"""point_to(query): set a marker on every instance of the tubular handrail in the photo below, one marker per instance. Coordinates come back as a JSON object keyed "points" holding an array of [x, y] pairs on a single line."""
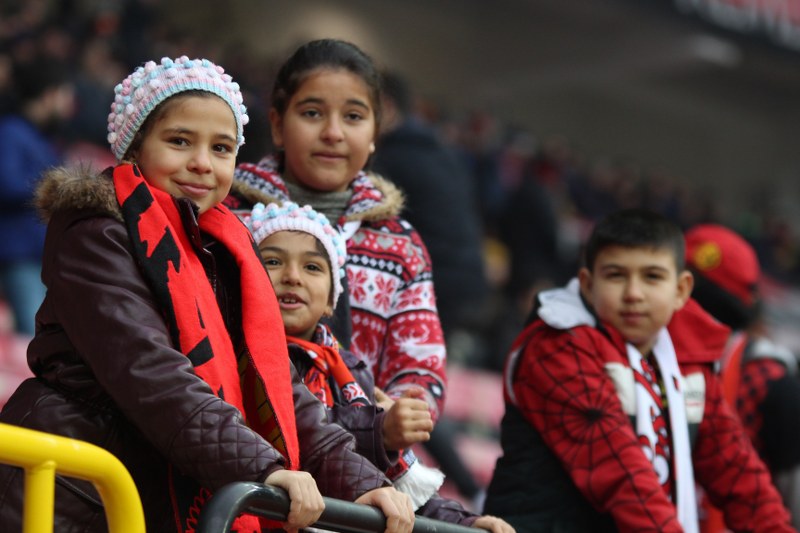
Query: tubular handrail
{"points": [[42, 454], [272, 502]]}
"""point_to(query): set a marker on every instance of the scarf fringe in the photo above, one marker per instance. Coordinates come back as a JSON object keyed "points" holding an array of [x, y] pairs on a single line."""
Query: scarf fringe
{"points": [[420, 483]]}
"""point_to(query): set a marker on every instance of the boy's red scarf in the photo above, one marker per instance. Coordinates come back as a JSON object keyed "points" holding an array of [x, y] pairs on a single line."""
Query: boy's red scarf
{"points": [[327, 361], [176, 275]]}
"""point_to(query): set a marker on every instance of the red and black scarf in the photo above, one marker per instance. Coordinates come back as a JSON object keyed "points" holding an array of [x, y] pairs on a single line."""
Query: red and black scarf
{"points": [[176, 275], [326, 361]]}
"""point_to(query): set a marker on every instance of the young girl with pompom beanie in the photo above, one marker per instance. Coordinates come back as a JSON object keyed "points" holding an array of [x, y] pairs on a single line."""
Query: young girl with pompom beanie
{"points": [[160, 338]]}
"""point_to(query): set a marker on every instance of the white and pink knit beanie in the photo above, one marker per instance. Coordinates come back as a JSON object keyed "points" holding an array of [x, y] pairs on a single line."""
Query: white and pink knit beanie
{"points": [[266, 220], [149, 85]]}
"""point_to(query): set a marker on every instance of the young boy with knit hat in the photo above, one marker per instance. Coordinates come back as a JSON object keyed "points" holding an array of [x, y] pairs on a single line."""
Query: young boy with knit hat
{"points": [[160, 338], [305, 257], [759, 378], [613, 408]]}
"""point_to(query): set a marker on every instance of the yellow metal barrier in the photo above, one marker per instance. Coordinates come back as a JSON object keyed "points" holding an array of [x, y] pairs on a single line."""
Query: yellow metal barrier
{"points": [[42, 454]]}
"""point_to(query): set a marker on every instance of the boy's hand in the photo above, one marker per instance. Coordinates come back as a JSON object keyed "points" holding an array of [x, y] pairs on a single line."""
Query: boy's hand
{"points": [[395, 505], [493, 524], [382, 399], [407, 421], [306, 502]]}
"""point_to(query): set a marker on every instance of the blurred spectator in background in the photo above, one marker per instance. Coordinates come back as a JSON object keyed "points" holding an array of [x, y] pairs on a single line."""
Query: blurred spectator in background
{"points": [[779, 248], [97, 72], [6, 79], [480, 136], [759, 377], [528, 224], [43, 99], [441, 205], [528, 227]]}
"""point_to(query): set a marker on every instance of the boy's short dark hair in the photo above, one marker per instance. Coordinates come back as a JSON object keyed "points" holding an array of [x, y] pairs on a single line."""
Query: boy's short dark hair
{"points": [[635, 228]]}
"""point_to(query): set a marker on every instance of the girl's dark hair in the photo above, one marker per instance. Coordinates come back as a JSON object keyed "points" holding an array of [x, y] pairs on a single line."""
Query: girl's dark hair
{"points": [[635, 228], [326, 54]]}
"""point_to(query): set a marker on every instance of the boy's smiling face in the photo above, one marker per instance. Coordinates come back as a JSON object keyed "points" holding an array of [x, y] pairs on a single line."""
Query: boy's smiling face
{"points": [[636, 290], [301, 277]]}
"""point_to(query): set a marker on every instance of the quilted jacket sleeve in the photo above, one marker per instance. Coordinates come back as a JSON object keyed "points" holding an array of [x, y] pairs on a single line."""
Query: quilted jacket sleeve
{"points": [[100, 300], [327, 450], [365, 423], [728, 468], [447, 510], [562, 389]]}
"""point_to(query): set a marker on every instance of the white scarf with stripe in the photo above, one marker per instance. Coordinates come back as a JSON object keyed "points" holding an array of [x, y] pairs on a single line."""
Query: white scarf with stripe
{"points": [[562, 308]]}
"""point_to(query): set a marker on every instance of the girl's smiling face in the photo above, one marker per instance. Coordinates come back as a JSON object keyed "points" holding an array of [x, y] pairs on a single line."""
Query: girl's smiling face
{"points": [[328, 130], [301, 276], [189, 151]]}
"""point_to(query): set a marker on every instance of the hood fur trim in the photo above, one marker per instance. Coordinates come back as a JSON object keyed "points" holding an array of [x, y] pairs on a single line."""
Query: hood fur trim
{"points": [[62, 188], [253, 195], [393, 203], [390, 206]]}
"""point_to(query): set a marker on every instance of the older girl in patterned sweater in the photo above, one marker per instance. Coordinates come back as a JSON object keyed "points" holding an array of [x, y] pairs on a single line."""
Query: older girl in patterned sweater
{"points": [[325, 111]]}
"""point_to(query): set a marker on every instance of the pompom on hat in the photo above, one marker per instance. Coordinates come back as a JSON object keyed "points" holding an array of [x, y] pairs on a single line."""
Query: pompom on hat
{"points": [[266, 220], [725, 259], [149, 85]]}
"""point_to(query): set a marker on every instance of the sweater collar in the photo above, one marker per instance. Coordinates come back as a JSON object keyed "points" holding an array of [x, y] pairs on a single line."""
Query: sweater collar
{"points": [[372, 197]]}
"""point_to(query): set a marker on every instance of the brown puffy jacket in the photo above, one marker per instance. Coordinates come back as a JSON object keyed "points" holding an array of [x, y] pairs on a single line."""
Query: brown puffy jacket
{"points": [[106, 373]]}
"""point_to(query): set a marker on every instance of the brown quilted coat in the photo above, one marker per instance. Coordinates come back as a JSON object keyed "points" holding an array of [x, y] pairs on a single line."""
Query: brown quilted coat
{"points": [[106, 373]]}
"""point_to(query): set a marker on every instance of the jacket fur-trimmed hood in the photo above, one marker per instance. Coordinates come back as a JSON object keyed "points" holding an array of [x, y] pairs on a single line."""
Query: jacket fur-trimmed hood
{"points": [[65, 188], [374, 197]]}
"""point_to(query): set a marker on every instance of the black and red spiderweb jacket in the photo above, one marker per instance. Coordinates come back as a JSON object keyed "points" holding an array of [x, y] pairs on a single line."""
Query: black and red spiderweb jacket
{"points": [[572, 461]]}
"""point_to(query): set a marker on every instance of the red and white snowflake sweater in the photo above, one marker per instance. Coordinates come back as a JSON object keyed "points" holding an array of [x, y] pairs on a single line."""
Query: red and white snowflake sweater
{"points": [[396, 327], [571, 458]]}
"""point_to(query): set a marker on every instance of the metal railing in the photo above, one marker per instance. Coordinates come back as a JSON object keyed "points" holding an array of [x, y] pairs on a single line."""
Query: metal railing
{"points": [[41, 455], [272, 502]]}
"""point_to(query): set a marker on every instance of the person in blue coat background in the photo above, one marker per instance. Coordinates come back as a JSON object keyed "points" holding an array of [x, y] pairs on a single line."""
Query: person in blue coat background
{"points": [[43, 98]]}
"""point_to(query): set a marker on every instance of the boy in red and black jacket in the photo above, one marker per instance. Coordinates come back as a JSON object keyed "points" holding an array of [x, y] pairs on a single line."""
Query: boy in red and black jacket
{"points": [[613, 408]]}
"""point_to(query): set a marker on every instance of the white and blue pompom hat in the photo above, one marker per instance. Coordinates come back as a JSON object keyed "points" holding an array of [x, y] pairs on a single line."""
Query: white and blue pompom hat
{"points": [[264, 220], [149, 85]]}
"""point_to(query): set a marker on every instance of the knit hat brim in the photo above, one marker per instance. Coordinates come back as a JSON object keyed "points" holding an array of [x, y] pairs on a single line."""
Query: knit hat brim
{"points": [[265, 220], [151, 84]]}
